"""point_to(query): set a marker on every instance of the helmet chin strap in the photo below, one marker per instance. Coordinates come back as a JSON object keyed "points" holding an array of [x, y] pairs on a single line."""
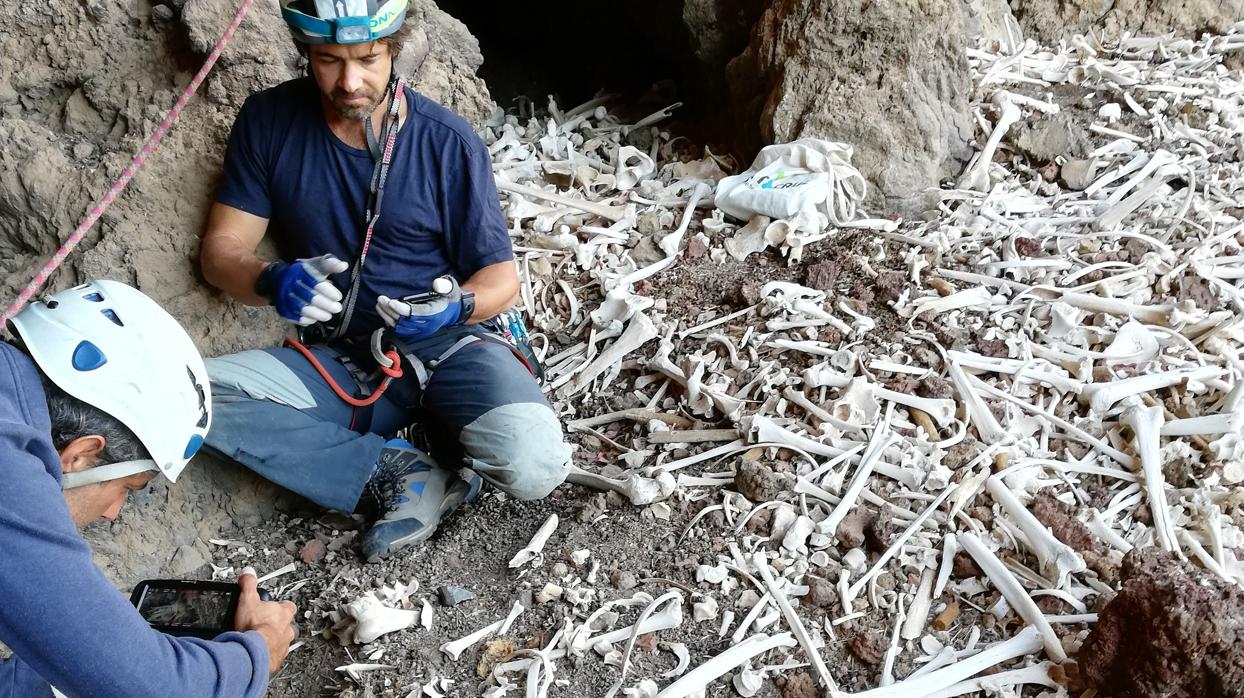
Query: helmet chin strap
{"points": [[106, 473]]}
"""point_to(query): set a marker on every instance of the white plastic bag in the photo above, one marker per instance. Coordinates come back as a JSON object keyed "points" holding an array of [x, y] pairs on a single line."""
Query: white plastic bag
{"points": [[809, 175]]}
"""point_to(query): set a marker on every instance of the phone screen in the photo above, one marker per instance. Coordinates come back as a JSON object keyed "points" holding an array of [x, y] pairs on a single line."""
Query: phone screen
{"points": [[187, 608]]}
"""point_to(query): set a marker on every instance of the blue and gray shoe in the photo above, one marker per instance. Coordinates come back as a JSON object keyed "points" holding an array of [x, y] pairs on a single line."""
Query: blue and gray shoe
{"points": [[414, 493]]}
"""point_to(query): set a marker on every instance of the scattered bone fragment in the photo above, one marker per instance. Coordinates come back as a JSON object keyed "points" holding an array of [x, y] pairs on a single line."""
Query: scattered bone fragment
{"points": [[533, 552]]}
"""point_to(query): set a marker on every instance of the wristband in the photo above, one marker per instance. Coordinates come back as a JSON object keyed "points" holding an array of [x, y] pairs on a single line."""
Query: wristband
{"points": [[266, 284]]}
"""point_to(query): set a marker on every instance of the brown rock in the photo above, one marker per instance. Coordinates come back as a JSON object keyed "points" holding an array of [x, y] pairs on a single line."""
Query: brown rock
{"points": [[1027, 246], [878, 532], [744, 296], [696, 248], [964, 566], [646, 643], [850, 531], [868, 647], [1061, 520], [936, 387], [961, 453], [760, 522], [759, 483], [821, 276], [1173, 631], [890, 285], [494, 653], [801, 685], [821, 591], [313, 551], [994, 347]]}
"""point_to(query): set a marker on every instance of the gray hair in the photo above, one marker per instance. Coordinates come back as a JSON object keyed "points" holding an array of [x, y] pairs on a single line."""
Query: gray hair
{"points": [[73, 419]]}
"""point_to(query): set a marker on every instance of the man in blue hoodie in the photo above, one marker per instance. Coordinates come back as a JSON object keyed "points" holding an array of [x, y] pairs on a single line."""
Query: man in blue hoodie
{"points": [[105, 392]]}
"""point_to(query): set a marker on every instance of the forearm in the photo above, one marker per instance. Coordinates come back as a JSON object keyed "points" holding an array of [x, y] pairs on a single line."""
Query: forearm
{"points": [[495, 288], [233, 268]]}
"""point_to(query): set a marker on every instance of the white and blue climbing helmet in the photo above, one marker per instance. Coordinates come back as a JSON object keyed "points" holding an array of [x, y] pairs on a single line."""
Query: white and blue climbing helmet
{"points": [[342, 21], [117, 350]]}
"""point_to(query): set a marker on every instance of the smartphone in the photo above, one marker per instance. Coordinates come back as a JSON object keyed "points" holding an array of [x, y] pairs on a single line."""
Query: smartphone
{"points": [[187, 608]]}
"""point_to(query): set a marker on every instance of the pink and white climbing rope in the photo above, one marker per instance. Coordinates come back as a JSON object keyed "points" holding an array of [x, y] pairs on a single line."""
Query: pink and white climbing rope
{"points": [[132, 169]]}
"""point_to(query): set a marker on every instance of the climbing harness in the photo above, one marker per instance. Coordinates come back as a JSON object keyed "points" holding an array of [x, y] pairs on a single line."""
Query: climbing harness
{"points": [[118, 186], [391, 368]]}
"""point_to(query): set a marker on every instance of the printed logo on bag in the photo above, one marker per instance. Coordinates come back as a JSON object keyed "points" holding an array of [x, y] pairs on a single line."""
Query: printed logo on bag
{"points": [[782, 180]]}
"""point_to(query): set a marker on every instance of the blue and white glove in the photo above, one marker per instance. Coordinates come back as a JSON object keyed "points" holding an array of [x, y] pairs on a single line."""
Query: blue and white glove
{"points": [[444, 307], [301, 291]]}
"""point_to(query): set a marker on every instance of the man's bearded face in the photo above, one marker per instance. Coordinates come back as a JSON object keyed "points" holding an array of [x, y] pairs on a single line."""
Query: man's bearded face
{"points": [[353, 78]]}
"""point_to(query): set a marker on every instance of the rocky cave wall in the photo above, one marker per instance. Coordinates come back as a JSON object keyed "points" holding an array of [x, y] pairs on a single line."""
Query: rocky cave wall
{"points": [[83, 82]]}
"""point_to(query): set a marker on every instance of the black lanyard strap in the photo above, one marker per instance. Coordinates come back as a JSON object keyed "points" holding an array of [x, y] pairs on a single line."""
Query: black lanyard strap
{"points": [[383, 155]]}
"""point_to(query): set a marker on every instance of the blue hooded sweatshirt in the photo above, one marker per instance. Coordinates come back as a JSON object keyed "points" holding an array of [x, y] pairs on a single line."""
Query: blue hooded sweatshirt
{"points": [[67, 626]]}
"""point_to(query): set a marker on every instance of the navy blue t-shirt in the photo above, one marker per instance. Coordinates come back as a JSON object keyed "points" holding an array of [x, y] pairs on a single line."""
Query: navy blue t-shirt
{"points": [[440, 214]]}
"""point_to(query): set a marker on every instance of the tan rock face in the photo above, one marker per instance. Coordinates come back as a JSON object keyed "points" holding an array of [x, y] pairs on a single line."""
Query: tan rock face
{"points": [[1052, 20], [888, 76]]}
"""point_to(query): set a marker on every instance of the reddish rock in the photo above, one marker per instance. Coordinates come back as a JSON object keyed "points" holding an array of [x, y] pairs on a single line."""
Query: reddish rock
{"points": [[313, 551], [869, 648], [822, 276], [1173, 631]]}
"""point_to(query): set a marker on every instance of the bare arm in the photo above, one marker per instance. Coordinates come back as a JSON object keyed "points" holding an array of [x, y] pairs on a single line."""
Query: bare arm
{"points": [[227, 253], [495, 288]]}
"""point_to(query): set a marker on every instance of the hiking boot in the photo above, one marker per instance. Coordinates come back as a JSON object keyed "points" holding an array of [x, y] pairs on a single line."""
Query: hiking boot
{"points": [[413, 494]]}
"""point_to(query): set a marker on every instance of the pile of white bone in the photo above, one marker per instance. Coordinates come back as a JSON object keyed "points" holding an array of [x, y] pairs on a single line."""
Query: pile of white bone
{"points": [[1074, 269]]}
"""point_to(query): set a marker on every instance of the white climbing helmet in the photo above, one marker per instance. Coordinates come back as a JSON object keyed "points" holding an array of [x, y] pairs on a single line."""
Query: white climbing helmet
{"points": [[117, 350], [342, 21]]}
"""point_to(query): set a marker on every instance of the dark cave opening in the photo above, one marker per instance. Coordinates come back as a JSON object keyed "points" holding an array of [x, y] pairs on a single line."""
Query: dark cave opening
{"points": [[641, 51]]}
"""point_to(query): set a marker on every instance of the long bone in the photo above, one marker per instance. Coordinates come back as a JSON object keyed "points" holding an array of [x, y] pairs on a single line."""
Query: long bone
{"points": [[1025, 642], [760, 429], [670, 597], [1146, 425], [533, 549], [696, 681], [941, 410], [669, 617], [1014, 594], [792, 619], [670, 244], [1112, 217], [881, 439], [640, 491], [1005, 682], [1100, 397], [977, 175], [661, 362], [918, 612], [613, 213], [897, 544], [1056, 557], [986, 424], [455, 648], [639, 331]]}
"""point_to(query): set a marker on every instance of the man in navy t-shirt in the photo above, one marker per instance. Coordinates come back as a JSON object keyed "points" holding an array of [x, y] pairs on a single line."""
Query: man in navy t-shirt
{"points": [[385, 216]]}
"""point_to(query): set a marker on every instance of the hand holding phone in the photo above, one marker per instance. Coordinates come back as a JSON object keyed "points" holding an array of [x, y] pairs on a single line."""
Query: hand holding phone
{"points": [[273, 620]]}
